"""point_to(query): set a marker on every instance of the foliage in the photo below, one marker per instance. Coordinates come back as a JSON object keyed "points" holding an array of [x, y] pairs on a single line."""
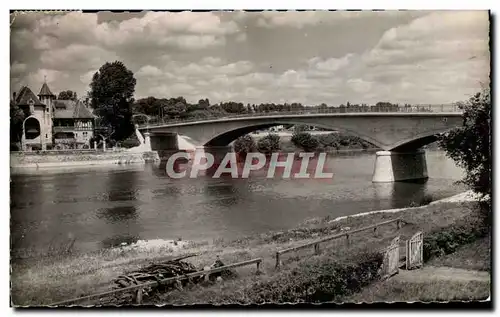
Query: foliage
{"points": [[470, 144], [337, 140], [244, 144], [130, 142], [17, 117], [305, 141], [269, 144], [67, 95], [233, 107], [174, 110], [112, 90], [300, 128], [318, 280], [447, 240]]}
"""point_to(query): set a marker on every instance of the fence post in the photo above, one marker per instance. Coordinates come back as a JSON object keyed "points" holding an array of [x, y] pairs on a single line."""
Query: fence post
{"points": [[278, 262], [375, 231]]}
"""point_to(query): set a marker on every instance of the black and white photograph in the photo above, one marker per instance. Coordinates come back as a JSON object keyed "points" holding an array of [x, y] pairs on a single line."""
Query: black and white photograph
{"points": [[265, 158]]}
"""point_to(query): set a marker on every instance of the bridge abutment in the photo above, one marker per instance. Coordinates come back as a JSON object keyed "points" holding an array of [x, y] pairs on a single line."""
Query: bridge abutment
{"points": [[392, 166], [164, 143]]}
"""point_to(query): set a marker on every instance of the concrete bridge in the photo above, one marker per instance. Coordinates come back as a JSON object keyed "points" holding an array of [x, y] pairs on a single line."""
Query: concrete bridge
{"points": [[399, 134]]}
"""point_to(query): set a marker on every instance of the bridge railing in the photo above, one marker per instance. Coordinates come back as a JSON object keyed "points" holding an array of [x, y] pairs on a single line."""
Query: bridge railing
{"points": [[374, 109]]}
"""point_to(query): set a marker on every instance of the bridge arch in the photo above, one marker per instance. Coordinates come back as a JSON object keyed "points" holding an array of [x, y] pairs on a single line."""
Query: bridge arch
{"points": [[225, 138], [419, 140]]}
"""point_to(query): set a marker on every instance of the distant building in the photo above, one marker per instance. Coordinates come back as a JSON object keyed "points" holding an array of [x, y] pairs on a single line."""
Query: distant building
{"points": [[52, 123]]}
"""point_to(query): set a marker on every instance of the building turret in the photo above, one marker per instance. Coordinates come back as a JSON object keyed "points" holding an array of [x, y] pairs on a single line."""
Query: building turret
{"points": [[47, 98]]}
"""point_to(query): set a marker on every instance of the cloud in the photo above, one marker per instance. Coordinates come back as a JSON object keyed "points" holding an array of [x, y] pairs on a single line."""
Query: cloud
{"points": [[422, 57], [302, 19], [77, 56], [17, 68]]}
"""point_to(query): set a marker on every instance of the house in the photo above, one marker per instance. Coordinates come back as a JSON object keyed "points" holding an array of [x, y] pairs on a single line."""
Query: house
{"points": [[52, 123]]}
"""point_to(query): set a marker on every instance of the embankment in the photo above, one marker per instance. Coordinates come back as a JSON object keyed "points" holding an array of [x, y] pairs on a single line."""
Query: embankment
{"points": [[50, 159], [34, 282]]}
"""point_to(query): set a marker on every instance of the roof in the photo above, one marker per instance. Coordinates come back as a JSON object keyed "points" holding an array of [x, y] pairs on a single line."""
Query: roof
{"points": [[71, 109], [45, 91], [24, 97]]}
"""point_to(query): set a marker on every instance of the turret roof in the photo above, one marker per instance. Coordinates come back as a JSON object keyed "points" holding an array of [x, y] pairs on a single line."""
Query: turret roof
{"points": [[45, 91]]}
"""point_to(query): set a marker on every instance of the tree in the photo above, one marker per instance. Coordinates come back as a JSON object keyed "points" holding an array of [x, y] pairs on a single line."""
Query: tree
{"points": [[67, 95], [305, 141], [149, 106], [300, 128], [112, 91], [17, 117], [244, 145], [470, 145], [174, 110], [269, 144], [203, 104]]}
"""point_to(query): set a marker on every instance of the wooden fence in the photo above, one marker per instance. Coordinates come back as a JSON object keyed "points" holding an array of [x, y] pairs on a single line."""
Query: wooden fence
{"points": [[415, 251], [138, 288], [345, 235], [390, 265]]}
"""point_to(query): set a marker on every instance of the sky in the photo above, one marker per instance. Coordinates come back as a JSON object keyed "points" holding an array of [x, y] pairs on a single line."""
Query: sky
{"points": [[312, 57]]}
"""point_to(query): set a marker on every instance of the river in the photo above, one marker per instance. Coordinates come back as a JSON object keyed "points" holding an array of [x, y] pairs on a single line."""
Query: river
{"points": [[102, 207]]}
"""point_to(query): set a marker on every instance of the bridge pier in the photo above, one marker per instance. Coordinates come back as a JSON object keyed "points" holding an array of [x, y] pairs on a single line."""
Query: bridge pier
{"points": [[392, 166], [165, 143]]}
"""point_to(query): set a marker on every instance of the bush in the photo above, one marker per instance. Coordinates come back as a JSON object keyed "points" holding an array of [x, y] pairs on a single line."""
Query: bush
{"points": [[329, 140], [269, 144], [321, 280], [244, 145], [448, 240], [305, 141]]}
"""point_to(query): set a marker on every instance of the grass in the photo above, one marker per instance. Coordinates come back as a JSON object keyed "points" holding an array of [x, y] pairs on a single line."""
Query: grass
{"points": [[53, 279], [473, 256], [394, 290]]}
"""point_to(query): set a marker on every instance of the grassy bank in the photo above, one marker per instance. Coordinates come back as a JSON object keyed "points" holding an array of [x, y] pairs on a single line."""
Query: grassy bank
{"points": [[473, 256], [58, 278]]}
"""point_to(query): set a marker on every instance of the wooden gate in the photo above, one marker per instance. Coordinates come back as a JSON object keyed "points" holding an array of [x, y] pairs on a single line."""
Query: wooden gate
{"points": [[390, 266], [415, 251]]}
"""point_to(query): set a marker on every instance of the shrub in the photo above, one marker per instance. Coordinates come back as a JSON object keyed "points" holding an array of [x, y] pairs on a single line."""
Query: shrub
{"points": [[305, 141], [330, 140], [244, 145], [447, 240], [269, 144], [320, 280]]}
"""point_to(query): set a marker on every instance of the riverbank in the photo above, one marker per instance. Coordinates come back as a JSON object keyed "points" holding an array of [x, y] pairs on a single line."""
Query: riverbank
{"points": [[45, 280], [53, 159]]}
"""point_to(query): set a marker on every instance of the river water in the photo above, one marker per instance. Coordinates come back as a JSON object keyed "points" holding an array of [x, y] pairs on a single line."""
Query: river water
{"points": [[102, 207]]}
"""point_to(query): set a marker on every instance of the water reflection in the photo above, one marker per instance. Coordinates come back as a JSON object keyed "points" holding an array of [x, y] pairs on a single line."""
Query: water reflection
{"points": [[122, 216], [399, 194], [117, 214]]}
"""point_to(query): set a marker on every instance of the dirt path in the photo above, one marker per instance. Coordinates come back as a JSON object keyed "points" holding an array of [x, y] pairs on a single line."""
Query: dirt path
{"points": [[432, 273]]}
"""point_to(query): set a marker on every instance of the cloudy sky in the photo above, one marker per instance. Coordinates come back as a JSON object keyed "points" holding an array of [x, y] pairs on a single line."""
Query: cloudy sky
{"points": [[253, 57]]}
